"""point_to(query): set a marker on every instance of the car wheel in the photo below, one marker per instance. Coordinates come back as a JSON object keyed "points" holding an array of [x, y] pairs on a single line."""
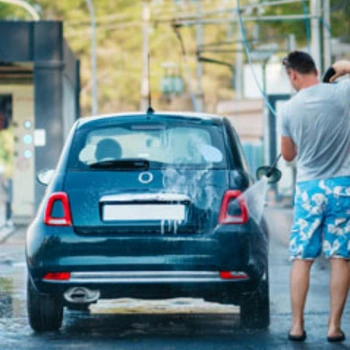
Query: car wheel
{"points": [[255, 308], [45, 313]]}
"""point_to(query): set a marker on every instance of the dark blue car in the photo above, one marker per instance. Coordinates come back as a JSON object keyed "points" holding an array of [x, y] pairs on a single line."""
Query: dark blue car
{"points": [[147, 205]]}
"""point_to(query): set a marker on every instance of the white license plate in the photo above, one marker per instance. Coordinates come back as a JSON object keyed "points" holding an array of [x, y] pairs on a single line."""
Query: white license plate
{"points": [[143, 212]]}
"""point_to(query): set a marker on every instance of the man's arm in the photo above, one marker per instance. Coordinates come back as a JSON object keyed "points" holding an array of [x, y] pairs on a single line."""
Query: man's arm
{"points": [[341, 68], [288, 148]]}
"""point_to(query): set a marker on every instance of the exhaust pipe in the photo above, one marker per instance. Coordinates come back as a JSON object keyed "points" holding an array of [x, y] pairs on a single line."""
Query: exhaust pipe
{"points": [[81, 295]]}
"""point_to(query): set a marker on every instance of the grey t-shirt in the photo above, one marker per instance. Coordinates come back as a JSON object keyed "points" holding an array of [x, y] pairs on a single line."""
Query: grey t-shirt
{"points": [[318, 121]]}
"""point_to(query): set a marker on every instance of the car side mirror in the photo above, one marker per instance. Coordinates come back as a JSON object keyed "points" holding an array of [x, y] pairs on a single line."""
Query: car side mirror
{"points": [[44, 176], [272, 174]]}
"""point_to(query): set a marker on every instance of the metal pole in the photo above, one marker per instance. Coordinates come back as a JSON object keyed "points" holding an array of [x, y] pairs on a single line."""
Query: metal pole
{"points": [[199, 28], [291, 42], [146, 14], [267, 142], [327, 35], [24, 5], [291, 47], [239, 65], [315, 12], [224, 21], [264, 64], [93, 58]]}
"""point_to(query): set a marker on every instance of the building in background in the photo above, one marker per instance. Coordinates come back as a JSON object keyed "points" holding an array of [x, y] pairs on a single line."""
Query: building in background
{"points": [[39, 97]]}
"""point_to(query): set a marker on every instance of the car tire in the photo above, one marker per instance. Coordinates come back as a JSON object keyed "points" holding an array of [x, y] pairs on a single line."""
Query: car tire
{"points": [[45, 313], [255, 308]]}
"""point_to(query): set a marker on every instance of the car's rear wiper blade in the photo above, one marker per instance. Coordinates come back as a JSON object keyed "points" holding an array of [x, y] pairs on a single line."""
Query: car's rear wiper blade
{"points": [[122, 164]]}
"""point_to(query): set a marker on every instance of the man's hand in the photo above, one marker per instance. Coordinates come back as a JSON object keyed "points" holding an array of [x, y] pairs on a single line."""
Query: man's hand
{"points": [[341, 68]]}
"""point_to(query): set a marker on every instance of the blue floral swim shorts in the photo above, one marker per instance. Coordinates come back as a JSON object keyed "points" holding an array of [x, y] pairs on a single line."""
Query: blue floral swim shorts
{"points": [[321, 219]]}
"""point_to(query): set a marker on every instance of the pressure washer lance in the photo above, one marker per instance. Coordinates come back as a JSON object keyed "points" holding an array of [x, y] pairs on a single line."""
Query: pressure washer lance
{"points": [[274, 165]]}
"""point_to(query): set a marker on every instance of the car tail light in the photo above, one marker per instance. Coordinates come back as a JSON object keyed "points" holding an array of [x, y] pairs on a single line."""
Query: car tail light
{"points": [[57, 276], [233, 208], [64, 218], [233, 275]]}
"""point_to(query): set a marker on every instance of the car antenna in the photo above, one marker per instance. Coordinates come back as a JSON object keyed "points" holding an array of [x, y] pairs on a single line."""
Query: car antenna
{"points": [[150, 110]]}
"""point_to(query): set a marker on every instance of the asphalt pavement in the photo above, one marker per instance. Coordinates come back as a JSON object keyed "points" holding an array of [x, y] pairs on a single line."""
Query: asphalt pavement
{"points": [[173, 324]]}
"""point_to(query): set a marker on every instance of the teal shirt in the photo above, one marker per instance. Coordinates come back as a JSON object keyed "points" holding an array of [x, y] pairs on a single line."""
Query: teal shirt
{"points": [[317, 119]]}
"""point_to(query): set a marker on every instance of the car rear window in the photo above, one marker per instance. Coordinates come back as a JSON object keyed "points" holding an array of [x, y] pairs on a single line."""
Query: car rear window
{"points": [[161, 144]]}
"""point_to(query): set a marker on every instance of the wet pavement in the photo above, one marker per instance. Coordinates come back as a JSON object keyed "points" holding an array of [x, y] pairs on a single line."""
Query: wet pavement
{"points": [[6, 227], [175, 324]]}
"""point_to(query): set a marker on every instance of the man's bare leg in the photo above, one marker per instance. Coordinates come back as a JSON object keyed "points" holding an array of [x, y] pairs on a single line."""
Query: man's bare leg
{"points": [[339, 286], [299, 286]]}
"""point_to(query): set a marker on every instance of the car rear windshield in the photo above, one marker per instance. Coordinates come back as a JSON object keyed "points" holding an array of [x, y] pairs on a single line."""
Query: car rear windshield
{"points": [[160, 145]]}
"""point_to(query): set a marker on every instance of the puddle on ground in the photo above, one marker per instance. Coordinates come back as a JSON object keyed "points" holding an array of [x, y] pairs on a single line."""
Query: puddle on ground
{"points": [[6, 301], [12, 293]]}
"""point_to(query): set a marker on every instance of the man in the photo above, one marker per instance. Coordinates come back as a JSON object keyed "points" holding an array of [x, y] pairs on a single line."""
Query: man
{"points": [[315, 128]]}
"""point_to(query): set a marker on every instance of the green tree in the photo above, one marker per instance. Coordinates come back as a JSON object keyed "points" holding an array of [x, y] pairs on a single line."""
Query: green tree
{"points": [[119, 35]]}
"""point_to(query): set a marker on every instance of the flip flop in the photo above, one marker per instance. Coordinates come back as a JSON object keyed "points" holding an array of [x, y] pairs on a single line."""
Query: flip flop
{"points": [[297, 337], [337, 338]]}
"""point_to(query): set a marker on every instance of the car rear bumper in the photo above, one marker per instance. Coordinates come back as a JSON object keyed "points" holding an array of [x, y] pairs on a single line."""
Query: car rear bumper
{"points": [[148, 267], [208, 285], [130, 277]]}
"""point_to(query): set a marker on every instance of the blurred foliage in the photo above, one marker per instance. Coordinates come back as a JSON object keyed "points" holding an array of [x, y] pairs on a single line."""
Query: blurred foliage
{"points": [[340, 23], [6, 150], [341, 19], [119, 34]]}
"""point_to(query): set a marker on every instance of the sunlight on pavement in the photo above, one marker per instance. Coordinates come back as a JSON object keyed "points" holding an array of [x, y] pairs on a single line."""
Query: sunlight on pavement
{"points": [[178, 305]]}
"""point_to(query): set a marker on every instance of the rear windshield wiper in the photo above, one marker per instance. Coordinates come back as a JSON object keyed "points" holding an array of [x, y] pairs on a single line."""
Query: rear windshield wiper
{"points": [[121, 164]]}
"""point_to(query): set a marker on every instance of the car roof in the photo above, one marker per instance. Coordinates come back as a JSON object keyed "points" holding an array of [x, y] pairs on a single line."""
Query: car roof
{"points": [[140, 115]]}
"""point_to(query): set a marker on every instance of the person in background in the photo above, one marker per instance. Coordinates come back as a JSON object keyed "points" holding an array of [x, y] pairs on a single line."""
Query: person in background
{"points": [[6, 189], [8, 206], [315, 129]]}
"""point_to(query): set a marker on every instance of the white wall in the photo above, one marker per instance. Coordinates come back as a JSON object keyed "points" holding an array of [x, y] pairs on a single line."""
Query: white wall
{"points": [[23, 167], [276, 80]]}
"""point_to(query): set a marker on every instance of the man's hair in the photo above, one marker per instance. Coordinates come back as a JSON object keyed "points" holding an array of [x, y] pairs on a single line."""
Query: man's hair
{"points": [[300, 61]]}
